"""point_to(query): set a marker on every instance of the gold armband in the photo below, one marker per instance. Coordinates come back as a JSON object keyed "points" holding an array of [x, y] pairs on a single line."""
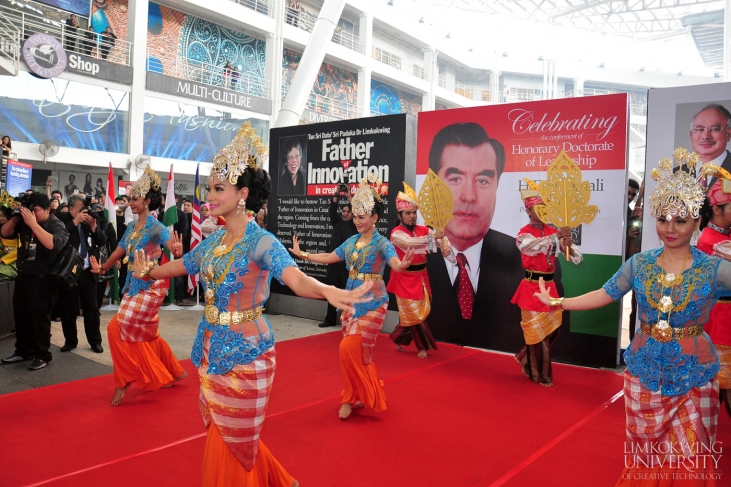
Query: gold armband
{"points": [[556, 303], [305, 255]]}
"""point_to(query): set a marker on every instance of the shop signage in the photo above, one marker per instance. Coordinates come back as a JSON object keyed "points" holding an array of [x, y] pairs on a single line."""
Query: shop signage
{"points": [[44, 55], [213, 94], [97, 68]]}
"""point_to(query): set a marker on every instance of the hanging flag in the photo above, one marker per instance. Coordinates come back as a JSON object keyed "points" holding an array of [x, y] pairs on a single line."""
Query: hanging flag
{"points": [[110, 215], [195, 229], [170, 218]]}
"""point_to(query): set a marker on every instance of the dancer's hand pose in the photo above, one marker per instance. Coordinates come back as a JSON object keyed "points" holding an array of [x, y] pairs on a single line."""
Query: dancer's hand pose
{"points": [[395, 263]]}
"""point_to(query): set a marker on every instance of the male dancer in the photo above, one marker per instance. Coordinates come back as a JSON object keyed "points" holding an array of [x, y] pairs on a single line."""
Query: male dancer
{"points": [[411, 287], [539, 245]]}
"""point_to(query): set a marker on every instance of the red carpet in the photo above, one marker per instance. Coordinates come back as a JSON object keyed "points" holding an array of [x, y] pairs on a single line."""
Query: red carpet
{"points": [[462, 417]]}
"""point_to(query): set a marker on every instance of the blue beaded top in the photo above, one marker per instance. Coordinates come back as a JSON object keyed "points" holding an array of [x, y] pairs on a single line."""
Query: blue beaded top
{"points": [[153, 235], [371, 259], [674, 367], [243, 276]]}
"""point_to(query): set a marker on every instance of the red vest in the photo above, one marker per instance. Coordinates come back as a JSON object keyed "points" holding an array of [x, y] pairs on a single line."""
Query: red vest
{"points": [[409, 284]]}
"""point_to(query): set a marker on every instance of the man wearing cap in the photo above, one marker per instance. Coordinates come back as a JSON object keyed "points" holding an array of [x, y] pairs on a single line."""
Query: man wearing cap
{"points": [[411, 287], [539, 244]]}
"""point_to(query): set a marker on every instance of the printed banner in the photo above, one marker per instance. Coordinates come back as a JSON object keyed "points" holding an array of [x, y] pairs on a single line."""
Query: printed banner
{"points": [[483, 154], [307, 162], [18, 177]]}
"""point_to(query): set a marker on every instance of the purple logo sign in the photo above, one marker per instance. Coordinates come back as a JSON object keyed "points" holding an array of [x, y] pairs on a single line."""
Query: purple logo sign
{"points": [[44, 55]]}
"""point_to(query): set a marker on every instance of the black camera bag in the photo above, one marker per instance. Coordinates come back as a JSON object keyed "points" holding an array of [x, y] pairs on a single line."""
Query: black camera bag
{"points": [[68, 266]]}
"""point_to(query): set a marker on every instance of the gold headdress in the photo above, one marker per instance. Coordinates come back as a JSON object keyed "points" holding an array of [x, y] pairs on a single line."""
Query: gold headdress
{"points": [[531, 195], [366, 195], [679, 193], [406, 200], [242, 152], [149, 180]]}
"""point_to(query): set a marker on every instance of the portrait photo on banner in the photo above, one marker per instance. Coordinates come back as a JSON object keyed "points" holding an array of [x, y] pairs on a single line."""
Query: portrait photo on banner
{"points": [[693, 117], [483, 155], [292, 172]]}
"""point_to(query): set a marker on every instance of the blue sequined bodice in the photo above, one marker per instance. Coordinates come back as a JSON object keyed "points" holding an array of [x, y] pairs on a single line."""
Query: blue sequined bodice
{"points": [[371, 259], [152, 234], [676, 366], [242, 277]]}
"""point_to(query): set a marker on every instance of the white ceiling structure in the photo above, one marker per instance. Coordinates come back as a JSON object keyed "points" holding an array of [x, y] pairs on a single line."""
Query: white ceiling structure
{"points": [[641, 20]]}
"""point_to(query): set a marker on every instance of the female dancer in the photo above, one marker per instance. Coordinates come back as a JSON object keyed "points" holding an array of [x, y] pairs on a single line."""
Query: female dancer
{"points": [[138, 352], [717, 214], [365, 255], [670, 389], [234, 347]]}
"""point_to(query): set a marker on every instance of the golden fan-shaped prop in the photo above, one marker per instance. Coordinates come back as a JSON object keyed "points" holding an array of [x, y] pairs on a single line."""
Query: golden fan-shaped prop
{"points": [[435, 201], [7, 200], [566, 195]]}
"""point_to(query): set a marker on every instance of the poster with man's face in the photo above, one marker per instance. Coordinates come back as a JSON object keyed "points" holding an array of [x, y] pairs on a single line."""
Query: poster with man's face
{"points": [[483, 155], [693, 117]]}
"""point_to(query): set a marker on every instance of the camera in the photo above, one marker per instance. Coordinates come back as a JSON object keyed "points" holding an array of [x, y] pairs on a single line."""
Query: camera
{"points": [[87, 208], [24, 200], [343, 188]]}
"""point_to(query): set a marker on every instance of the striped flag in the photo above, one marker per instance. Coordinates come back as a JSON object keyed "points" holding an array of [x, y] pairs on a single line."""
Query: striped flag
{"points": [[195, 229], [170, 218], [110, 214]]}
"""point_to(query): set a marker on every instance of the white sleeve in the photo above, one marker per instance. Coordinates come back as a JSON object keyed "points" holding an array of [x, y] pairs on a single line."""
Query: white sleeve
{"points": [[531, 246]]}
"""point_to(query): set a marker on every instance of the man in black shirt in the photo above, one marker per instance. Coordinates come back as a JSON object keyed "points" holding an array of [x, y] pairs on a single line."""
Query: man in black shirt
{"points": [[71, 25], [78, 223], [121, 228], [343, 229], [42, 236]]}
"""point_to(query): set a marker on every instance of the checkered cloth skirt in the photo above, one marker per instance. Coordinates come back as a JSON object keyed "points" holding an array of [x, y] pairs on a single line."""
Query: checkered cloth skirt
{"points": [[137, 315], [368, 326], [685, 422], [236, 403]]}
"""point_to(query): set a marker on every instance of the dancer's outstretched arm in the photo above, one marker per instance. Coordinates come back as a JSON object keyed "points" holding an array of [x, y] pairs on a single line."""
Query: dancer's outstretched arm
{"points": [[594, 299], [399, 265], [330, 258], [144, 268], [308, 287]]}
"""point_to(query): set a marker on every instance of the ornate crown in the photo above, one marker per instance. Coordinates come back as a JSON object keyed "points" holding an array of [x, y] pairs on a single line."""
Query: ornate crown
{"points": [[366, 195], [149, 180], [242, 152], [679, 193]]}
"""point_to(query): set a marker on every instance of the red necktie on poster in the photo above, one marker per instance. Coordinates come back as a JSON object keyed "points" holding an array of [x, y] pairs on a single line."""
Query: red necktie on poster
{"points": [[465, 293]]}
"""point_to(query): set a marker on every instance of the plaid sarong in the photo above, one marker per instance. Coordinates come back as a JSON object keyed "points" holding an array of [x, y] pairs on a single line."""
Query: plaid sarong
{"points": [[685, 422], [368, 326], [413, 311], [137, 315], [537, 325], [236, 403]]}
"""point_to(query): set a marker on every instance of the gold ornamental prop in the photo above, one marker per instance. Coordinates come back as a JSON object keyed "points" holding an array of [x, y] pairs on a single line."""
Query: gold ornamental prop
{"points": [[7, 200], [566, 196], [435, 202]]}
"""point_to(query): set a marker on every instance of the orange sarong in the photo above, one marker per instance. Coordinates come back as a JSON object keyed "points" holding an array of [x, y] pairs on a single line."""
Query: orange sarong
{"points": [[151, 364], [221, 468], [360, 382]]}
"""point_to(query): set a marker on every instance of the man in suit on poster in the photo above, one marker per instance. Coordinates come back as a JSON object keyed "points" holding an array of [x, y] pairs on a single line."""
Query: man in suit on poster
{"points": [[710, 132], [481, 314]]}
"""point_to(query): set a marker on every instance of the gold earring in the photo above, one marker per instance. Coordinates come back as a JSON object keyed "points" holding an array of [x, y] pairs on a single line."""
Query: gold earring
{"points": [[241, 207]]}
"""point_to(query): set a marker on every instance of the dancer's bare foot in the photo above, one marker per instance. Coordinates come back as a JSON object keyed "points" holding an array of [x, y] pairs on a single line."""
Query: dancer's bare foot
{"points": [[421, 354], [399, 348], [345, 410], [360, 404], [118, 395], [546, 384], [178, 378], [296, 484]]}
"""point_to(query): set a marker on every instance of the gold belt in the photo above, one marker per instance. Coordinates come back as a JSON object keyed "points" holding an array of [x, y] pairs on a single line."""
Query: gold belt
{"points": [[663, 333], [353, 274], [216, 317]]}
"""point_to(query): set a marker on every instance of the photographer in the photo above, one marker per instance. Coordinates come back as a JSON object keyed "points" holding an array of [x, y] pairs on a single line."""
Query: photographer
{"points": [[85, 235], [343, 229], [42, 236]]}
